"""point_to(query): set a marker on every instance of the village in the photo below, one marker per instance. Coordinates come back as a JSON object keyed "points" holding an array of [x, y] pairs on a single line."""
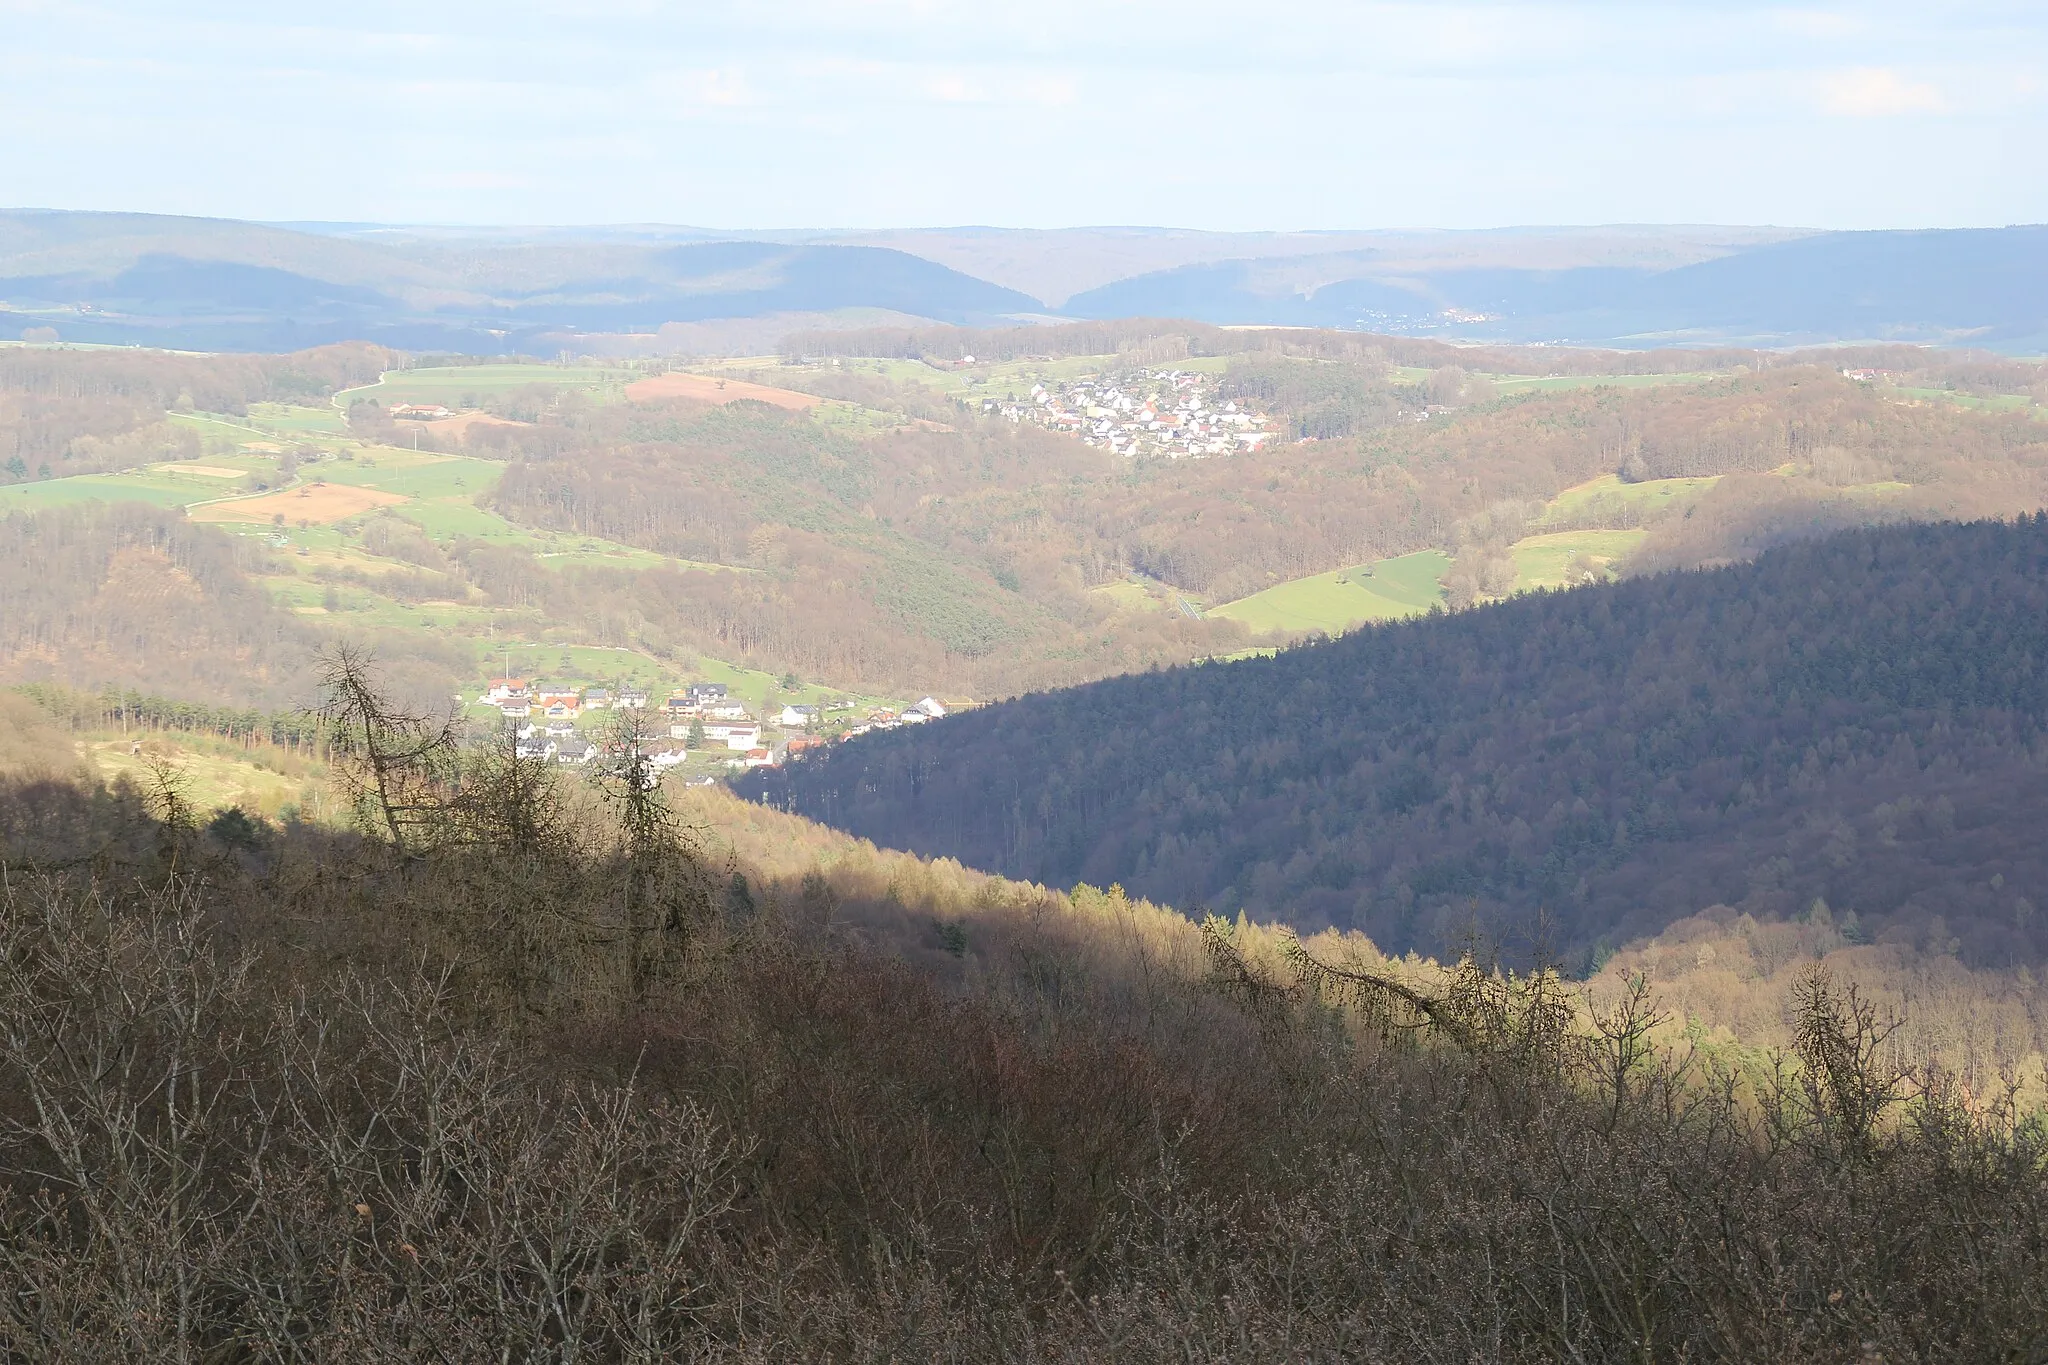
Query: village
{"points": [[1155, 414], [552, 724]]}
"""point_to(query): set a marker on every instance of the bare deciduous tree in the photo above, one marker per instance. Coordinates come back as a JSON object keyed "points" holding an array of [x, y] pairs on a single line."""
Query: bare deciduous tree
{"points": [[395, 767]]}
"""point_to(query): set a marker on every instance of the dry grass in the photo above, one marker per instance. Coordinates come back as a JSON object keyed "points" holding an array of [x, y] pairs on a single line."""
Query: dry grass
{"points": [[317, 503], [461, 424], [703, 389]]}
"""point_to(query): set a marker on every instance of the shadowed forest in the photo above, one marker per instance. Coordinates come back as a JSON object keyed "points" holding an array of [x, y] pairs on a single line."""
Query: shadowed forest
{"points": [[1856, 719]]}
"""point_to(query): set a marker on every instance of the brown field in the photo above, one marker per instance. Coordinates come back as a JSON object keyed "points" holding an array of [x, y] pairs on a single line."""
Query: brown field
{"points": [[320, 503], [707, 390], [460, 423]]}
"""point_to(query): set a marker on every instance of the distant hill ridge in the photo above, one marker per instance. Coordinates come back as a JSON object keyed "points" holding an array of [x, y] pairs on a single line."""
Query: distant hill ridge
{"points": [[1855, 719], [1985, 286], [220, 284]]}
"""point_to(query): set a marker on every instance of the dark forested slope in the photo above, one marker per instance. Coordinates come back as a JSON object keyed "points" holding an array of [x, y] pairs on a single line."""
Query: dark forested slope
{"points": [[1857, 719]]}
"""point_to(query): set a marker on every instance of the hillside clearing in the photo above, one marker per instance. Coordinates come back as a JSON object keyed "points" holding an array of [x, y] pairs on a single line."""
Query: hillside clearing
{"points": [[1331, 602], [1545, 561], [1648, 496]]}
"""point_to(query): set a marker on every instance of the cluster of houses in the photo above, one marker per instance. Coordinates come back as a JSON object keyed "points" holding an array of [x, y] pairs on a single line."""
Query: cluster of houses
{"points": [[1166, 414], [702, 714]]}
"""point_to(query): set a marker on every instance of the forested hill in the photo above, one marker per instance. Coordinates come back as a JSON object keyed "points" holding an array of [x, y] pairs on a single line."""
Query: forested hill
{"points": [[1856, 719]]}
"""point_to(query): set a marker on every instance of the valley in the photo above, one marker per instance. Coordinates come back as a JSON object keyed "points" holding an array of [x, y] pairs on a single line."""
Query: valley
{"points": [[585, 777]]}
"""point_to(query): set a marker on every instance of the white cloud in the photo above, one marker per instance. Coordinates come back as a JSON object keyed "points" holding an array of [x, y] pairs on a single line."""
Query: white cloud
{"points": [[953, 88], [1876, 92], [1823, 24]]}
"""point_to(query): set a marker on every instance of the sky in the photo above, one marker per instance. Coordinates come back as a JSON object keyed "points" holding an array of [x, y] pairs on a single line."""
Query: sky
{"points": [[1217, 114]]}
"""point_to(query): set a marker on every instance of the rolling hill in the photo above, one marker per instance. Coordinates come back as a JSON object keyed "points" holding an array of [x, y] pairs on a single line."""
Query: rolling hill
{"points": [[213, 284], [1987, 286], [207, 284]]}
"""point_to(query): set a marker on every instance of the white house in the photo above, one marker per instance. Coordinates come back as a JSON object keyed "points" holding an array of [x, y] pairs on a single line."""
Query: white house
{"points": [[797, 716], [733, 734], [932, 708]]}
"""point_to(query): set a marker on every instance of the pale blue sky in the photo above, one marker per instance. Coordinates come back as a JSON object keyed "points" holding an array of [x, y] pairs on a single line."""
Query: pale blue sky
{"points": [[881, 113]]}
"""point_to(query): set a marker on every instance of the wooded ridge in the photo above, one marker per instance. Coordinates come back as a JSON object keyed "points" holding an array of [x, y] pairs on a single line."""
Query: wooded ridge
{"points": [[1857, 718]]}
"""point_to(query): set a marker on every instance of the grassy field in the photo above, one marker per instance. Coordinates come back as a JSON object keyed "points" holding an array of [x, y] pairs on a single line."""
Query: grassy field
{"points": [[213, 775], [297, 421], [156, 487], [1383, 591], [1129, 596], [470, 386], [1651, 495], [1544, 561], [415, 474]]}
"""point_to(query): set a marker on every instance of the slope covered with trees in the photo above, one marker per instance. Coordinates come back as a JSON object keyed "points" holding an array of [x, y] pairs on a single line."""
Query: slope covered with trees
{"points": [[511, 1072], [129, 596], [1857, 719], [68, 412]]}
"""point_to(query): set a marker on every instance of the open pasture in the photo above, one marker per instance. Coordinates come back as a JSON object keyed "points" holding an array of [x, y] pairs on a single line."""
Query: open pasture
{"points": [[213, 778], [1651, 495], [416, 475], [469, 386], [157, 488], [1383, 591], [1545, 561], [204, 471], [290, 419]]}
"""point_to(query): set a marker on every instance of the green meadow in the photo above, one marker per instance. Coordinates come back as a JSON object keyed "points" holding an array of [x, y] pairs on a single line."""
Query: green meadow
{"points": [[1651, 495], [157, 489], [1332, 602], [469, 386], [1544, 561]]}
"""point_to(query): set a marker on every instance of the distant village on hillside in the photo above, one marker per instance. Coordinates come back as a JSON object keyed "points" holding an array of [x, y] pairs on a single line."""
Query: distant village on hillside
{"points": [[549, 723], [1162, 414]]}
